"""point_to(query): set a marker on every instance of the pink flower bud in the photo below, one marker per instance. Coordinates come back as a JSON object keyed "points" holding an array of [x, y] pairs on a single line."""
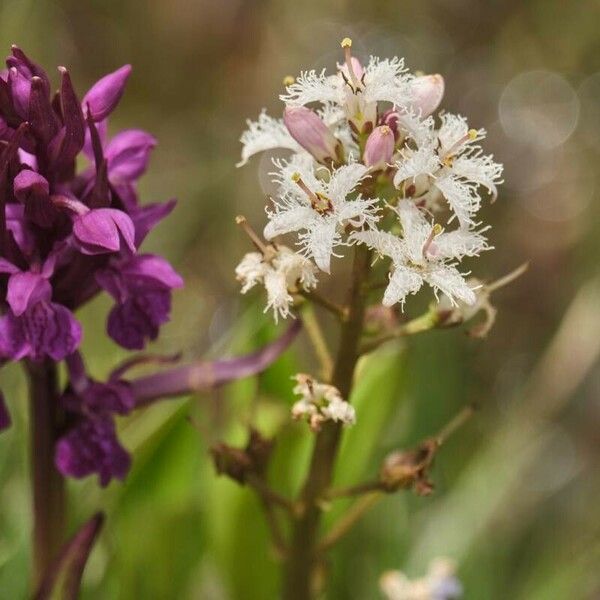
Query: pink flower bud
{"points": [[428, 92], [379, 147], [311, 133]]}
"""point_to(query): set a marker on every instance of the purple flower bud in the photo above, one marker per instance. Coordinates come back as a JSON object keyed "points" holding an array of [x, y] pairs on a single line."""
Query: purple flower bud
{"points": [[20, 87], [91, 446], [308, 129], [104, 95], [379, 147], [25, 290], [428, 91], [4, 415], [32, 190], [104, 230]]}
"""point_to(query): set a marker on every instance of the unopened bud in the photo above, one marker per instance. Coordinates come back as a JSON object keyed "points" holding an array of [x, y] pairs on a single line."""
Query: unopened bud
{"points": [[311, 133], [409, 469], [428, 92], [379, 147]]}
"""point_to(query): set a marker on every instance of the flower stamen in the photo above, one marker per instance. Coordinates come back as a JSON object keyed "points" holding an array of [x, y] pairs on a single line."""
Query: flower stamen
{"points": [[347, 45], [429, 245], [318, 201], [448, 157]]}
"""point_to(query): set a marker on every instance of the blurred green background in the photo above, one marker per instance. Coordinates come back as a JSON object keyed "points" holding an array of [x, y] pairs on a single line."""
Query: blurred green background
{"points": [[516, 500]]}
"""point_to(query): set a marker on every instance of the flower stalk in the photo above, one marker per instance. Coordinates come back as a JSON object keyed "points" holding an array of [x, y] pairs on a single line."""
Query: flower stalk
{"points": [[48, 485], [299, 581]]}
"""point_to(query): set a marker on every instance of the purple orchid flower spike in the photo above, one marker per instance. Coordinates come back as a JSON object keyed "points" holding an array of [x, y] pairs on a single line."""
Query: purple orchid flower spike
{"points": [[4, 414], [65, 237], [104, 95]]}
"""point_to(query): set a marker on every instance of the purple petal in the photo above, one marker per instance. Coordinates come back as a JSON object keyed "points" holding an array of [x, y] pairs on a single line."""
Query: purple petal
{"points": [[4, 415], [137, 320], [50, 330], [25, 290], [92, 447], [26, 180], [43, 119], [13, 343], [32, 189], [113, 397], [102, 129], [149, 271], [128, 154], [20, 87], [7, 267], [63, 578], [70, 139], [105, 94], [147, 217], [23, 63], [103, 230], [18, 227]]}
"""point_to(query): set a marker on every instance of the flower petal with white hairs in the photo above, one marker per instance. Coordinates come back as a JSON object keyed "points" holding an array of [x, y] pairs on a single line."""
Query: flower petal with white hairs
{"points": [[318, 209], [281, 270], [424, 253], [311, 86], [387, 80], [266, 133]]}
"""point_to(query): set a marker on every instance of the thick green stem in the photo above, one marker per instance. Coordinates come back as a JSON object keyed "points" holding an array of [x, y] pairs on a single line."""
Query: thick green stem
{"points": [[48, 488], [300, 577]]}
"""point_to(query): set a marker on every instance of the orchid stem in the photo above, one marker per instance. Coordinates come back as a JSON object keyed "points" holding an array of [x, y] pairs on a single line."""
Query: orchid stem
{"points": [[49, 500]]}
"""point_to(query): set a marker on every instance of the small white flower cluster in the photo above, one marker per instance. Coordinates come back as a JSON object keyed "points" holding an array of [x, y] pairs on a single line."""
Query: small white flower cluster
{"points": [[440, 583], [320, 402], [373, 130], [280, 270]]}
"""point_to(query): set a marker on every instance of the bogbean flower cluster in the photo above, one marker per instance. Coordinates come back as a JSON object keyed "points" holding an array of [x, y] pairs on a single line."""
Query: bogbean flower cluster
{"points": [[320, 402], [68, 233], [370, 164], [440, 583]]}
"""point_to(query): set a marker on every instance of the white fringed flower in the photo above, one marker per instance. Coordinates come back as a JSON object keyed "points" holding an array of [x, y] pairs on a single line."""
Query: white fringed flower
{"points": [[440, 583], [320, 402], [280, 271], [319, 210], [449, 162], [266, 133], [356, 90], [424, 253]]}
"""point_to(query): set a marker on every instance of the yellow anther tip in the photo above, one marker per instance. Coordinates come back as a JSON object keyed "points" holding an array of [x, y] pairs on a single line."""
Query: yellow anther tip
{"points": [[472, 134], [437, 229], [385, 130], [296, 177], [346, 43], [288, 80]]}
